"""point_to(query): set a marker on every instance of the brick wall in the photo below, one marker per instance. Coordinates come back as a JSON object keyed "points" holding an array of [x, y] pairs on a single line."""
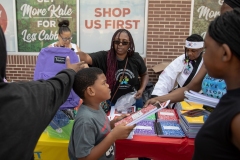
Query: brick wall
{"points": [[168, 27], [20, 67]]}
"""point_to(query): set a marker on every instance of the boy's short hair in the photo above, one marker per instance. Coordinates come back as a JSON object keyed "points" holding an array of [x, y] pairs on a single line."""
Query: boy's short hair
{"points": [[85, 78]]}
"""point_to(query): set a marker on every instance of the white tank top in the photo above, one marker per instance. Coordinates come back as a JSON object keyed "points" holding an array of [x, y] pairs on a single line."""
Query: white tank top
{"points": [[74, 46]]}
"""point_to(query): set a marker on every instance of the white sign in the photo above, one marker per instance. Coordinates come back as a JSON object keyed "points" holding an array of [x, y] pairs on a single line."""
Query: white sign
{"points": [[7, 20], [99, 19]]}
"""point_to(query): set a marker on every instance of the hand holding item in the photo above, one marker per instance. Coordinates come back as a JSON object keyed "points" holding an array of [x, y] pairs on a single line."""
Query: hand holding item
{"points": [[122, 131], [75, 66], [138, 94], [117, 118], [121, 117], [151, 101]]}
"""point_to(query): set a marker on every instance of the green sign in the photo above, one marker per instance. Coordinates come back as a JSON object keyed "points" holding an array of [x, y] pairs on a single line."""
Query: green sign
{"points": [[37, 22], [204, 11]]}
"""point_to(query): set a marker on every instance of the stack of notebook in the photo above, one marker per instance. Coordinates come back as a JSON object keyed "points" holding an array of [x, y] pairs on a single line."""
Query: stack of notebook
{"points": [[151, 117], [169, 129], [196, 97], [191, 117], [167, 124], [146, 128], [186, 106], [141, 115], [166, 115], [191, 125]]}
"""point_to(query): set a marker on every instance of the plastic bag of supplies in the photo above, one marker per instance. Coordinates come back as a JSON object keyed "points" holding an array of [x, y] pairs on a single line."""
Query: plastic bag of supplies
{"points": [[125, 101]]}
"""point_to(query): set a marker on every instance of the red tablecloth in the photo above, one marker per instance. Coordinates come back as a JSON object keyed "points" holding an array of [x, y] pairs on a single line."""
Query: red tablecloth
{"points": [[155, 147]]}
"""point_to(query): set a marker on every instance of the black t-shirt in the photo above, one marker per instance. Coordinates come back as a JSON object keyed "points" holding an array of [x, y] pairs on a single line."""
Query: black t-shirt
{"points": [[26, 110], [135, 68], [213, 141]]}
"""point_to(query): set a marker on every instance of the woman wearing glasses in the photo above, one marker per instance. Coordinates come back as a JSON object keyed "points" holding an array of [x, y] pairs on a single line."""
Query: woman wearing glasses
{"points": [[122, 67], [65, 37]]}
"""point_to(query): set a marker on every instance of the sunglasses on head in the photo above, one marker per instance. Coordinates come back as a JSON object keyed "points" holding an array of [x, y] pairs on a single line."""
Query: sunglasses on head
{"points": [[118, 42], [66, 39]]}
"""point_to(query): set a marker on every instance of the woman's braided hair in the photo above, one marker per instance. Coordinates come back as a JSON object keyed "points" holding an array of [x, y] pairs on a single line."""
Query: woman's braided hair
{"points": [[112, 59]]}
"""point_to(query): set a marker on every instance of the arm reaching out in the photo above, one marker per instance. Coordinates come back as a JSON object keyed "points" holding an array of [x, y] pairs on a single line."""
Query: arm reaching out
{"points": [[76, 66], [178, 94], [85, 57]]}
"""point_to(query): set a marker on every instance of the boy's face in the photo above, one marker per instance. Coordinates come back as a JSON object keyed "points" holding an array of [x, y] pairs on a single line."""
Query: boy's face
{"points": [[101, 88]]}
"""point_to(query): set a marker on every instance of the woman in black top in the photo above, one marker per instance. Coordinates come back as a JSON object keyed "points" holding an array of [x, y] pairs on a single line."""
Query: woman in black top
{"points": [[219, 138], [112, 62]]}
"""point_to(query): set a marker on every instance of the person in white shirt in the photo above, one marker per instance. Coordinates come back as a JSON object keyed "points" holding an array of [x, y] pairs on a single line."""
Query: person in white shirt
{"points": [[65, 37], [180, 71]]}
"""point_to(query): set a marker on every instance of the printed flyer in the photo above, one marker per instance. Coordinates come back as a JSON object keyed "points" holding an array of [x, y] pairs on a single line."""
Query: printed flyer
{"points": [[37, 22], [100, 19], [204, 11]]}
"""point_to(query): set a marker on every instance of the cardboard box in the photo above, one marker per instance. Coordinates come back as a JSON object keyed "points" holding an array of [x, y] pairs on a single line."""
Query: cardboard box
{"points": [[160, 67]]}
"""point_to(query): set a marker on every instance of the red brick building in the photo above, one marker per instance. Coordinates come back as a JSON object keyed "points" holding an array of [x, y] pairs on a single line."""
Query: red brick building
{"points": [[168, 27]]}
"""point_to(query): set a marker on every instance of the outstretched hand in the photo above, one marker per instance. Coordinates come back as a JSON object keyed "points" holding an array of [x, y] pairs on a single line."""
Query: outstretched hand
{"points": [[151, 101], [75, 66]]}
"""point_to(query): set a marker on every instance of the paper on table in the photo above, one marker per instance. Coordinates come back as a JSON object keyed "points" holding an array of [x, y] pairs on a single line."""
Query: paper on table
{"points": [[196, 97]]}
